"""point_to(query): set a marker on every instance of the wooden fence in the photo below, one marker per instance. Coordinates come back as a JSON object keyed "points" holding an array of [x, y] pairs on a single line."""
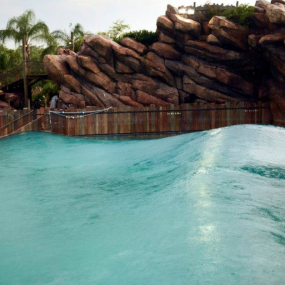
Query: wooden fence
{"points": [[133, 121], [13, 121], [161, 120]]}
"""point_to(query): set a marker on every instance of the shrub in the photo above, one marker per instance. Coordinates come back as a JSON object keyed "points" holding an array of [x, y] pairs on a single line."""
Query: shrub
{"points": [[145, 37], [49, 89], [241, 15]]}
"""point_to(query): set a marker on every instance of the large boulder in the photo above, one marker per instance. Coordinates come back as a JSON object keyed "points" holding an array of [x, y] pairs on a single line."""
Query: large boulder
{"points": [[134, 45], [276, 15], [186, 25], [165, 51], [229, 33]]}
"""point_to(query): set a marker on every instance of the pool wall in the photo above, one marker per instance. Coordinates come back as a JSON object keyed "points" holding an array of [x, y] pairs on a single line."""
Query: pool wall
{"points": [[133, 121]]}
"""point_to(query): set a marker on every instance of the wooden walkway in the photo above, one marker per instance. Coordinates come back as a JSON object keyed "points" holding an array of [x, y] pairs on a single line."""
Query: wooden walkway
{"points": [[13, 80]]}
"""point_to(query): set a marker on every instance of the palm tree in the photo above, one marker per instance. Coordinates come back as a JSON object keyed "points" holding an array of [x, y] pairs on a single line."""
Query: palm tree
{"points": [[25, 29], [73, 39]]}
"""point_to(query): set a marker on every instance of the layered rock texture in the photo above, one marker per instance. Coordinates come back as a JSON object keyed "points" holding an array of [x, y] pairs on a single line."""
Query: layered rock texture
{"points": [[9, 100], [194, 60]]}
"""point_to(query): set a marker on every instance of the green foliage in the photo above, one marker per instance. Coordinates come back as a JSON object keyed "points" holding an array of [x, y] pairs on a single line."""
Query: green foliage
{"points": [[9, 58], [51, 48], [115, 32], [25, 25], [64, 37], [145, 37], [49, 89], [36, 52], [241, 15], [213, 11]]}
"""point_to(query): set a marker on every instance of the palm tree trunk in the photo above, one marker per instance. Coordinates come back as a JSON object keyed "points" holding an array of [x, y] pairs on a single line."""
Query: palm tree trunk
{"points": [[25, 71]]}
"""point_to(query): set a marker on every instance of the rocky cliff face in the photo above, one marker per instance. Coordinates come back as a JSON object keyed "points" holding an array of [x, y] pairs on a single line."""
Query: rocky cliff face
{"points": [[194, 60]]}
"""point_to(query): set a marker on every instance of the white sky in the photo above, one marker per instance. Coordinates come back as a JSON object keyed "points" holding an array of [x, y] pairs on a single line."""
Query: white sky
{"points": [[95, 15]]}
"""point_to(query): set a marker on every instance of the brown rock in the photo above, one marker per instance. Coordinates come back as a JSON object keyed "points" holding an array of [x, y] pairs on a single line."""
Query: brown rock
{"points": [[134, 45], [185, 97], [206, 29], [165, 51], [178, 81], [206, 94], [167, 94], [165, 24], [102, 45], [71, 83], [165, 38], [261, 20], [272, 39], [128, 101], [179, 69], [56, 67], [89, 70], [213, 40], [147, 99], [107, 99], [186, 25], [88, 64], [125, 89], [229, 33], [262, 3], [219, 74], [259, 10], [156, 68], [122, 68], [278, 1], [68, 97], [128, 57], [62, 51], [281, 6], [275, 14], [144, 83], [212, 53], [253, 40], [172, 10], [92, 97], [277, 63]]}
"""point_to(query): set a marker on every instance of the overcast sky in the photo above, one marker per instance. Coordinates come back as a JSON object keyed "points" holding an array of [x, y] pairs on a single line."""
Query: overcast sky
{"points": [[95, 15]]}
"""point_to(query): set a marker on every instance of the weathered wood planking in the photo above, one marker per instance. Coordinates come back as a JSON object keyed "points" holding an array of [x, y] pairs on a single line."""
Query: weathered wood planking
{"points": [[127, 120]]}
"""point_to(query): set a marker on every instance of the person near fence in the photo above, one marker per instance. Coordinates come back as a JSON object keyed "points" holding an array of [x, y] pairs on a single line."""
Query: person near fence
{"points": [[53, 103]]}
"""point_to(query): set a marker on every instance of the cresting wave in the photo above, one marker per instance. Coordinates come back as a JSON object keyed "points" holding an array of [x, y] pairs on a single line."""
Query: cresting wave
{"points": [[201, 208]]}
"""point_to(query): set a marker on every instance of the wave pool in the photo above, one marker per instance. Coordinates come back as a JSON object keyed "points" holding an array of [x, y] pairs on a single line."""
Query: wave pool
{"points": [[201, 208]]}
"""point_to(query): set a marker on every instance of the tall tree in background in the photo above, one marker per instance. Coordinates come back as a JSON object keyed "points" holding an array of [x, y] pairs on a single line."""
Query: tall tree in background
{"points": [[72, 39], [25, 29], [116, 30]]}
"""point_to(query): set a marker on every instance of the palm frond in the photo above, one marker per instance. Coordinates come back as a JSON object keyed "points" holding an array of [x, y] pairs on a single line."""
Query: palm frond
{"points": [[78, 30], [61, 35], [10, 34], [39, 31]]}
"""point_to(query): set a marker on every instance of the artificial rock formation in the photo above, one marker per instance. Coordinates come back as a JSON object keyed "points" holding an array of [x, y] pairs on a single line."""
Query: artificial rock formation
{"points": [[9, 100], [194, 60]]}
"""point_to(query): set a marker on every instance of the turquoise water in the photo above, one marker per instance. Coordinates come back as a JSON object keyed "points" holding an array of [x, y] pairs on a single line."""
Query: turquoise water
{"points": [[202, 208]]}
